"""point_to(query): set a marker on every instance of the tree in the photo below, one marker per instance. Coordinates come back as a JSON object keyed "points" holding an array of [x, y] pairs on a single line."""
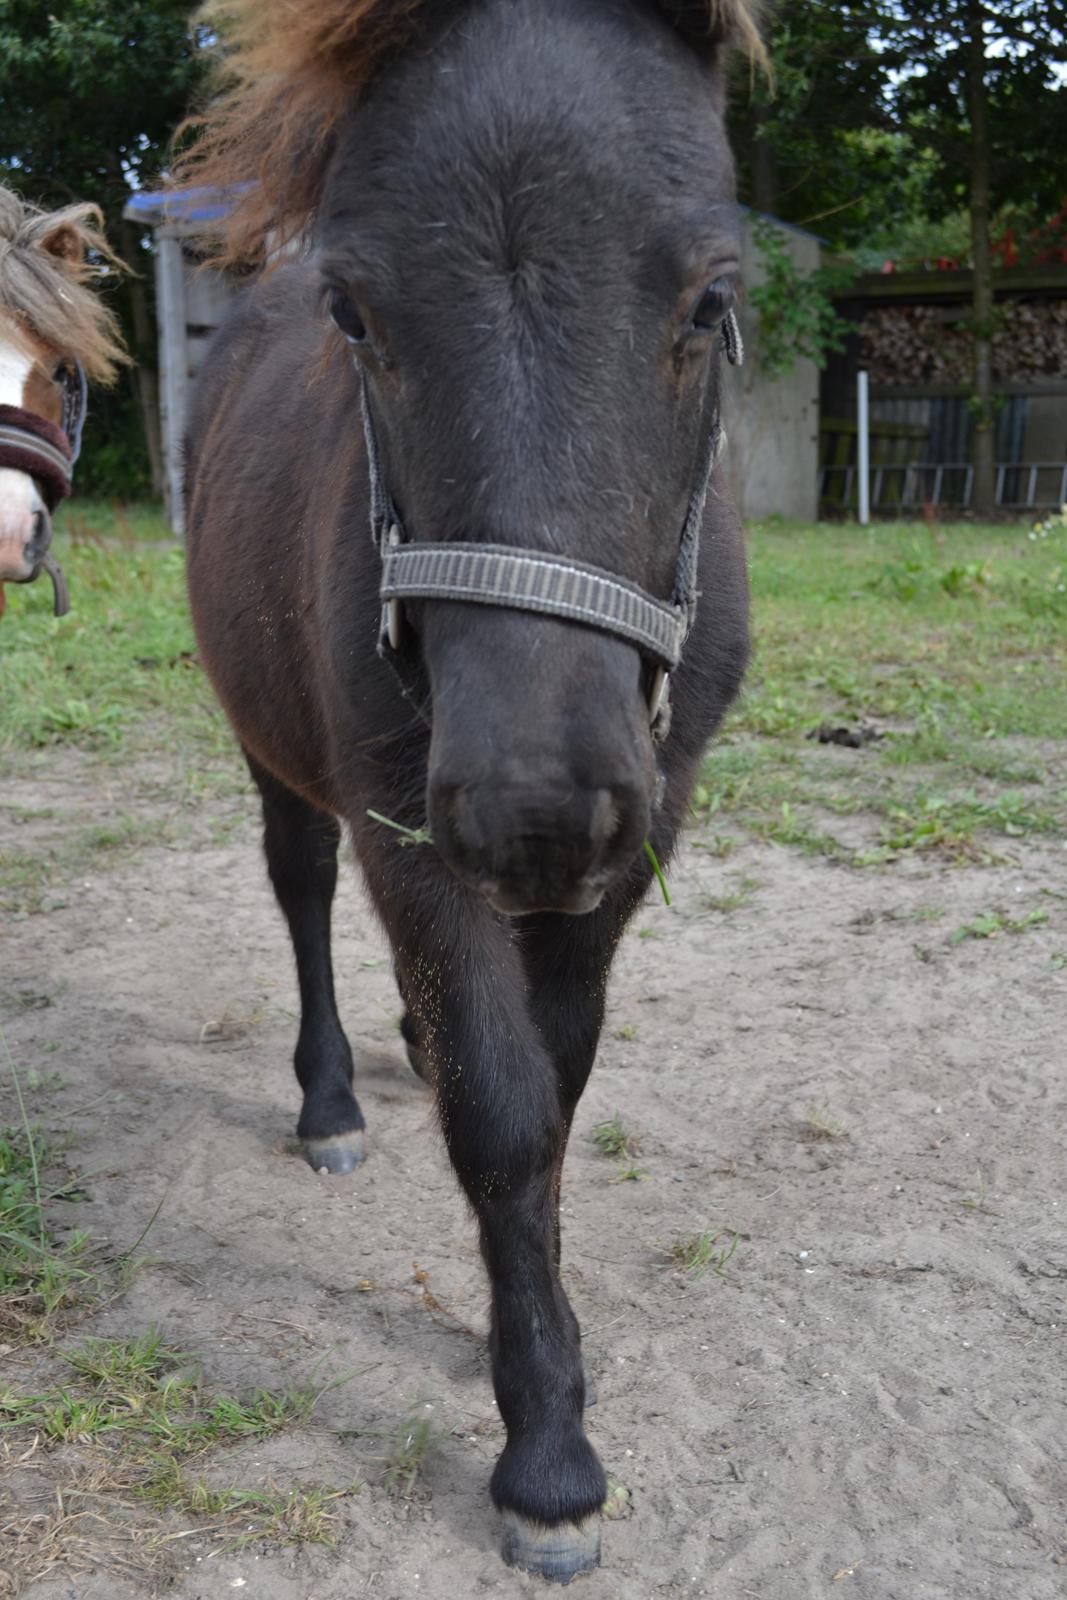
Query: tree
{"points": [[815, 139], [979, 87], [90, 93]]}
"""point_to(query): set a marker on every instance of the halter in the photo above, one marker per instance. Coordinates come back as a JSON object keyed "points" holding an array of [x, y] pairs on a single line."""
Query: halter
{"points": [[32, 444], [528, 580]]}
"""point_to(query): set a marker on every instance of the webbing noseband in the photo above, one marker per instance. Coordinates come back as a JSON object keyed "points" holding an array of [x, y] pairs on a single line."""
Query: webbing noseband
{"points": [[47, 452], [535, 580]]}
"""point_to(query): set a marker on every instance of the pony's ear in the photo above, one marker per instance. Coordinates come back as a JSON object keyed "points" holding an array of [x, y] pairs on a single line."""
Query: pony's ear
{"points": [[66, 244], [709, 24]]}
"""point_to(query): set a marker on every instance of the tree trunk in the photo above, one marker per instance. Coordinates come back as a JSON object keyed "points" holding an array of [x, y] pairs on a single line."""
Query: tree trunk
{"points": [[983, 499], [146, 378], [764, 168]]}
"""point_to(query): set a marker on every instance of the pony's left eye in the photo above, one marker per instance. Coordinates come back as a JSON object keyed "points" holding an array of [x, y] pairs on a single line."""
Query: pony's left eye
{"points": [[714, 304], [345, 317]]}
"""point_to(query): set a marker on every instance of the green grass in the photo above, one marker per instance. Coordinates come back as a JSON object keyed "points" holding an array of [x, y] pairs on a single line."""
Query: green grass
{"points": [[136, 1422], [990, 924], [151, 1396], [696, 1254], [122, 663], [613, 1140], [954, 641], [41, 1275]]}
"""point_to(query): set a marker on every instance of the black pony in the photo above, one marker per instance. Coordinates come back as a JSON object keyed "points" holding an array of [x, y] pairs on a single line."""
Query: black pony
{"points": [[501, 329]]}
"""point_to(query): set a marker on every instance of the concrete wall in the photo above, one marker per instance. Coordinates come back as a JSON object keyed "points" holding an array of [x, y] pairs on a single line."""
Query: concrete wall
{"points": [[772, 423]]}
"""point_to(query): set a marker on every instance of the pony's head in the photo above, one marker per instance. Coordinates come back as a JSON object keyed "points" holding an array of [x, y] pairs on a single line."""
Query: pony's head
{"points": [[50, 322], [522, 218]]}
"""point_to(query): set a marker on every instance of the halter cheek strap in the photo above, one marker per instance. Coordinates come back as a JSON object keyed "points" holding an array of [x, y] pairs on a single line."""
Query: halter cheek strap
{"points": [[47, 451], [533, 580]]}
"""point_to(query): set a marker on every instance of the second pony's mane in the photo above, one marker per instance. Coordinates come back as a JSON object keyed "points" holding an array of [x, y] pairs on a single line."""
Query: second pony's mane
{"points": [[290, 69], [44, 281]]}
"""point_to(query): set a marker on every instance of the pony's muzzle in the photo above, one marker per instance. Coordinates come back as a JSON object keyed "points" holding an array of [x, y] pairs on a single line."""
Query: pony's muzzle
{"points": [[537, 847], [25, 533]]}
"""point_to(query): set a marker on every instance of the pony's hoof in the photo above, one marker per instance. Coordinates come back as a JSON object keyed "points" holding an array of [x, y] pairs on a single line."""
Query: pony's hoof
{"points": [[558, 1554], [341, 1152]]}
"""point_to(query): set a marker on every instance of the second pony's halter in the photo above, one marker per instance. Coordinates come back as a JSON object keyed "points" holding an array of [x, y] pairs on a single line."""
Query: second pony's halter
{"points": [[47, 451], [534, 580]]}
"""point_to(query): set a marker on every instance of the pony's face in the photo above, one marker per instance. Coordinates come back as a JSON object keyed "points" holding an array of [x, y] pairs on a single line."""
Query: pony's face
{"points": [[529, 240], [28, 382]]}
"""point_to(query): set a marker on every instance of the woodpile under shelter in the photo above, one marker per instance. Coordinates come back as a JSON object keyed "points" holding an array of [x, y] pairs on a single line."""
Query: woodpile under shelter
{"points": [[910, 332]]}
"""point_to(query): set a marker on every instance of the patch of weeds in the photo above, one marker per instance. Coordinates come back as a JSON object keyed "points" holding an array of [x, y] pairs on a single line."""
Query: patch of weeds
{"points": [[698, 1253], [615, 1141], [304, 1514], [629, 1173], [618, 1502], [978, 1202], [628, 1031], [1057, 961], [412, 1443], [990, 924], [141, 1389], [649, 933], [788, 829], [139, 1415], [620, 1145], [719, 845], [40, 1275], [821, 1123], [733, 899], [970, 577]]}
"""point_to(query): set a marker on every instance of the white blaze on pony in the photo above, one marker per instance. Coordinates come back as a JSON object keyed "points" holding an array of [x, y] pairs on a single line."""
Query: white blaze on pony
{"points": [[54, 333], [23, 513]]}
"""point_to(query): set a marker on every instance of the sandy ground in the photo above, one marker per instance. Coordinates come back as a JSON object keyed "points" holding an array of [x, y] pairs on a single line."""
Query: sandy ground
{"points": [[872, 1403]]}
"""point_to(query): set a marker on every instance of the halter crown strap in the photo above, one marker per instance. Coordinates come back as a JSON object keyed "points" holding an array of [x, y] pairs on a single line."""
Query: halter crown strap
{"points": [[532, 580]]}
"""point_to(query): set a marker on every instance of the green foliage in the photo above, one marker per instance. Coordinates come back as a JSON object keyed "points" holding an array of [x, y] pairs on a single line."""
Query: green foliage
{"points": [[989, 924], [863, 131], [90, 93], [797, 319]]}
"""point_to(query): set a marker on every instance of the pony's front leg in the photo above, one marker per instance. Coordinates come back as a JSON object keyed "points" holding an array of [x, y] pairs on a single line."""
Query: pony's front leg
{"points": [[505, 1129]]}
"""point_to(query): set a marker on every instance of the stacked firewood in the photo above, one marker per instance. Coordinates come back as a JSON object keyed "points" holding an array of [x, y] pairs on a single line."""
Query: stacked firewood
{"points": [[906, 345]]}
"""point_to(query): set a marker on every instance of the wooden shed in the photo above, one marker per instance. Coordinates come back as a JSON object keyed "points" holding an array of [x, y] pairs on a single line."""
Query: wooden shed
{"points": [[911, 333], [191, 301]]}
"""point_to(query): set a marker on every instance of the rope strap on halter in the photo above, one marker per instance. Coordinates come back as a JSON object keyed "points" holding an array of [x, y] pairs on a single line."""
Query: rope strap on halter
{"points": [[533, 580]]}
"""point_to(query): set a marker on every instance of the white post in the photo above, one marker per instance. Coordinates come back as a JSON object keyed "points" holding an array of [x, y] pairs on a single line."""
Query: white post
{"points": [[863, 442], [174, 365]]}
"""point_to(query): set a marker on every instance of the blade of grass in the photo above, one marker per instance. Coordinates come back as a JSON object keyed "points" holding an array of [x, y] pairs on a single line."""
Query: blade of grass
{"points": [[658, 870]]}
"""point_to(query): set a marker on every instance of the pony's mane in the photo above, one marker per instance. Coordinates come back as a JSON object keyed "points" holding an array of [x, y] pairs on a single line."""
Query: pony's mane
{"points": [[288, 70], [46, 286]]}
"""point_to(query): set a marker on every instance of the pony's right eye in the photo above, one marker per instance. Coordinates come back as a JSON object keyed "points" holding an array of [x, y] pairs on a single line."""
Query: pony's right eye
{"points": [[345, 317]]}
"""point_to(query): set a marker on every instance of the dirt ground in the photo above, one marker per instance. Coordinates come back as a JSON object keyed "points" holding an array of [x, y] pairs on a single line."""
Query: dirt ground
{"points": [[872, 1401]]}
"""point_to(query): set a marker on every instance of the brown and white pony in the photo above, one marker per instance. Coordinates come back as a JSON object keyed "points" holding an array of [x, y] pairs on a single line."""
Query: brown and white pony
{"points": [[55, 333]]}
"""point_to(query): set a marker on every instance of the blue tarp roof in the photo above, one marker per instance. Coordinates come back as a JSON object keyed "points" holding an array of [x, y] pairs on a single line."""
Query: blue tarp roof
{"points": [[177, 205], [208, 205]]}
